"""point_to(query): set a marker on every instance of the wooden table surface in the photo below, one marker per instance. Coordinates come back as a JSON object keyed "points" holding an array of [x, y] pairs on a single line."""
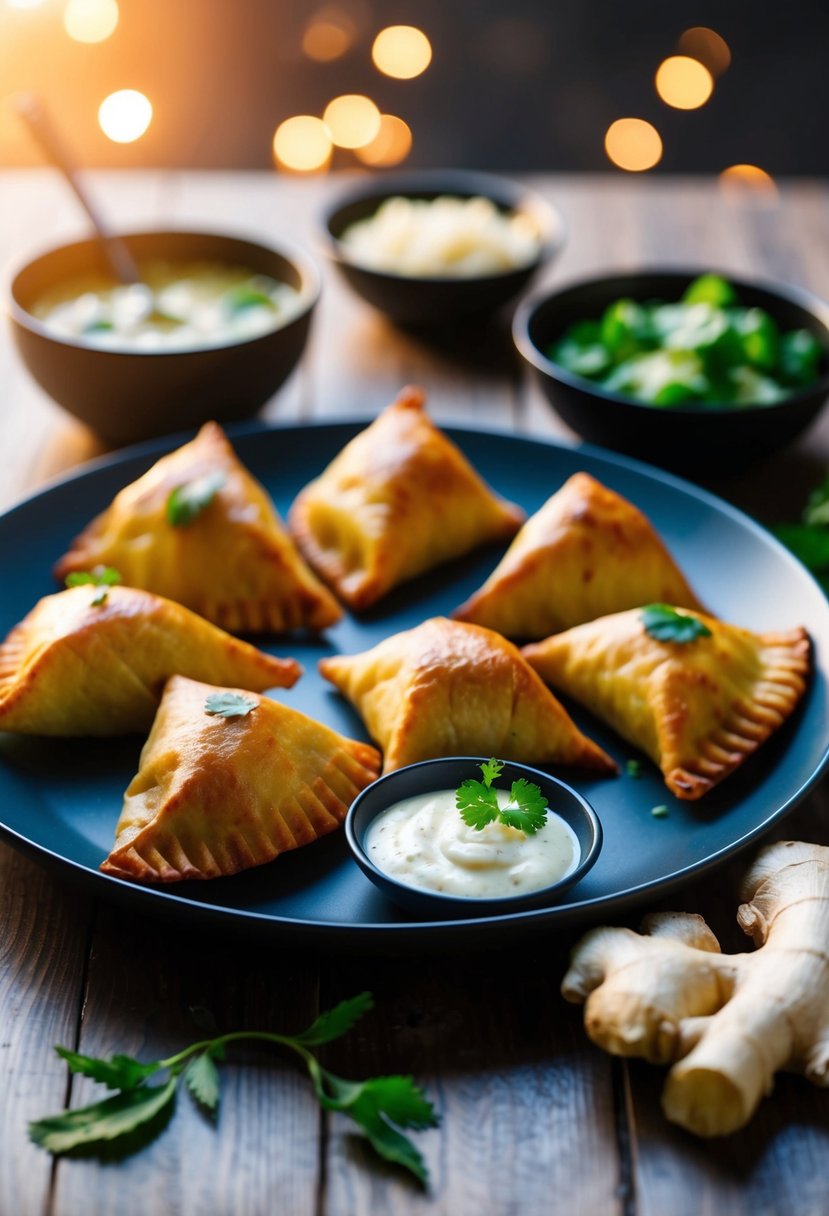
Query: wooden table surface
{"points": [[534, 1119]]}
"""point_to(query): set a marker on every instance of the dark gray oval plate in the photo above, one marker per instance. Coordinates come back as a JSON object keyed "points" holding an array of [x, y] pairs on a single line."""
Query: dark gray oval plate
{"points": [[61, 798]]}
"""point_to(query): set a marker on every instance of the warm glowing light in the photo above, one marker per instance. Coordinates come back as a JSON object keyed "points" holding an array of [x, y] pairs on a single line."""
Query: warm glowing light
{"points": [[124, 116], [633, 144], [402, 51], [90, 20], [708, 47], [302, 144], [391, 145], [328, 35], [684, 83], [23, 3], [352, 120], [748, 179]]}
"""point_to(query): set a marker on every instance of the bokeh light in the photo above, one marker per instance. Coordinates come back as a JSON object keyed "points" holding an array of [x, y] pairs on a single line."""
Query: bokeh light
{"points": [[328, 35], [748, 179], [352, 120], [302, 144], [633, 144], [124, 116], [391, 145], [708, 47], [401, 51], [90, 20], [683, 83]]}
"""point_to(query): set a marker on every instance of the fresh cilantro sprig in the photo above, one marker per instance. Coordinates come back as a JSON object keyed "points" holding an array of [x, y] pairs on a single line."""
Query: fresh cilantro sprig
{"points": [[808, 540], [102, 577], [187, 501], [477, 802], [228, 705], [665, 624], [381, 1106]]}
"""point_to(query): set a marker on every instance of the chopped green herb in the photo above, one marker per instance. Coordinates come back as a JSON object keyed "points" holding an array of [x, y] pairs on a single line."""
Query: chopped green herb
{"points": [[659, 812], [186, 502], [228, 705], [704, 348], [241, 298], [633, 768], [381, 1106], [102, 577], [478, 804], [665, 624]]}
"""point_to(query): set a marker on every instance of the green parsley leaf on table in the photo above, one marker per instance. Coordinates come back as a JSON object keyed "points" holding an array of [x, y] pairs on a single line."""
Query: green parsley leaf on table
{"points": [[478, 804], [808, 540], [633, 768], [228, 705], [119, 1072], [382, 1106], [103, 1122], [665, 624], [336, 1021], [201, 1076], [187, 501]]}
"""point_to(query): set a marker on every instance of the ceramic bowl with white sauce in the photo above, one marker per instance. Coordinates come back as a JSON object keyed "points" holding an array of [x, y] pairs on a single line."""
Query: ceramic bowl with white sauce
{"points": [[437, 247], [216, 326], [407, 836]]}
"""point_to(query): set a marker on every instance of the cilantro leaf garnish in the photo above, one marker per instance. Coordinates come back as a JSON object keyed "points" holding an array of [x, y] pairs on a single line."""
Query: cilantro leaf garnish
{"points": [[659, 812], [633, 768], [187, 501], [665, 624], [102, 577], [228, 705], [478, 804], [382, 1106]]}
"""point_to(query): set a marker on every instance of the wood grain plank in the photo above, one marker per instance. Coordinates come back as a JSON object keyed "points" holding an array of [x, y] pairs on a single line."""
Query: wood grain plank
{"points": [[524, 1102], [144, 981], [43, 948]]}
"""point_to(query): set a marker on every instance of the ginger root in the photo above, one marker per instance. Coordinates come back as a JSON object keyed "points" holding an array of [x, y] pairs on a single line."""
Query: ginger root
{"points": [[727, 1023]]}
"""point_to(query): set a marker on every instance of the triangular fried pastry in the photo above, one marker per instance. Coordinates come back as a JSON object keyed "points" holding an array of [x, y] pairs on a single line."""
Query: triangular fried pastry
{"points": [[233, 563], [586, 553], [449, 689], [90, 661], [697, 708], [214, 795], [397, 500]]}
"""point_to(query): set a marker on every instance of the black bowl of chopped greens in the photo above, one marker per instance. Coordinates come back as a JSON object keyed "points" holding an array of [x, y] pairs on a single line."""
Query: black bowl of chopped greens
{"points": [[695, 372]]}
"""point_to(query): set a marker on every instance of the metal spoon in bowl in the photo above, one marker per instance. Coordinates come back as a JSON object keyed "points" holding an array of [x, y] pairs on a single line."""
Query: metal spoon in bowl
{"points": [[138, 303]]}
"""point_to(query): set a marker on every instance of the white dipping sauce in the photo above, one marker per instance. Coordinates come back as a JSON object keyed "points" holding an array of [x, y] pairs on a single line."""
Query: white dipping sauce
{"points": [[423, 842], [176, 306]]}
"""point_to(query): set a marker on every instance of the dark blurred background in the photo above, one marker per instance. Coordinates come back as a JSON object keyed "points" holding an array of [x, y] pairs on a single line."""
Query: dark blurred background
{"points": [[524, 85]]}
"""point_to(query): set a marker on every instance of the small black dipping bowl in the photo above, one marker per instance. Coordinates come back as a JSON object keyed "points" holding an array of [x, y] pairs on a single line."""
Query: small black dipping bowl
{"points": [[695, 439], [433, 301], [430, 776], [127, 396]]}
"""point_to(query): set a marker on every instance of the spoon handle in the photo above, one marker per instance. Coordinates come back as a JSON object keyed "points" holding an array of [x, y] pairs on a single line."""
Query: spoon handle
{"points": [[120, 259]]}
